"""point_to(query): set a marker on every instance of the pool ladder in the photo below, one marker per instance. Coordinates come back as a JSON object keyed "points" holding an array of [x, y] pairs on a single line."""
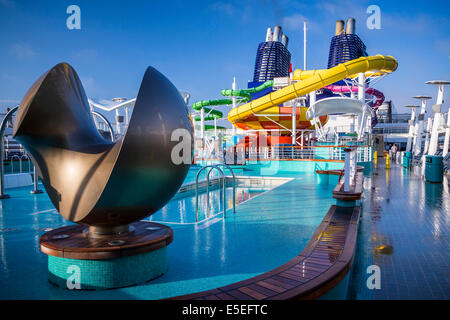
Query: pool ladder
{"points": [[222, 185]]}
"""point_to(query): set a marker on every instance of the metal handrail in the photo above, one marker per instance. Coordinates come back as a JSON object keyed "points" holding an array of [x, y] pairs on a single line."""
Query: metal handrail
{"points": [[207, 189], [110, 128], [12, 163], [234, 183], [25, 157], [196, 189]]}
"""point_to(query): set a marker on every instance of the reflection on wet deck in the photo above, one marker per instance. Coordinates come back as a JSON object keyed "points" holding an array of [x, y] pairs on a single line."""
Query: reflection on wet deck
{"points": [[404, 230]]}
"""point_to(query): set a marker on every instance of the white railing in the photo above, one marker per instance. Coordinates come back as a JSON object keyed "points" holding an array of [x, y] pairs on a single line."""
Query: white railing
{"points": [[242, 155]]}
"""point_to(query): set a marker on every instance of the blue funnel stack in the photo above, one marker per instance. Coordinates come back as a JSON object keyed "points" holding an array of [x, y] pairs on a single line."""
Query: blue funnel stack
{"points": [[272, 58], [345, 45]]}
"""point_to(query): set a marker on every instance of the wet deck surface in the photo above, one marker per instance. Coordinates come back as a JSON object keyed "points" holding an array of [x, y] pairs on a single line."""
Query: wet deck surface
{"points": [[404, 231]]}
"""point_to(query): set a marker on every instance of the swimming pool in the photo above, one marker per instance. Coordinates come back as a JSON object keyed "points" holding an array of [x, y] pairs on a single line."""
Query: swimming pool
{"points": [[266, 231]]}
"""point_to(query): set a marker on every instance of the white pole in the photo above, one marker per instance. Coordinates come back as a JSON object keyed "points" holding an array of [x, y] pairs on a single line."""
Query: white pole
{"points": [[233, 99], [127, 116], [434, 134], [304, 44], [294, 124], [361, 96], [427, 143], [361, 87], [312, 101], [411, 129], [437, 116], [447, 135], [353, 164], [420, 125], [202, 123], [362, 124], [195, 125], [312, 98], [215, 127], [95, 118], [303, 139], [427, 136], [347, 171], [202, 132], [117, 122]]}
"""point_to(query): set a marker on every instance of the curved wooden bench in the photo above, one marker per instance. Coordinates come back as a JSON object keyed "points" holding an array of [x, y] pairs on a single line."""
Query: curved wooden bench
{"points": [[334, 172], [72, 242], [323, 263], [355, 191]]}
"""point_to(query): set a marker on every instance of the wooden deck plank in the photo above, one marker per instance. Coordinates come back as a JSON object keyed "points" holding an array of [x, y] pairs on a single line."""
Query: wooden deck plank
{"points": [[279, 283], [287, 280], [239, 295], [261, 289], [270, 286], [301, 276], [224, 296], [305, 276], [252, 293]]}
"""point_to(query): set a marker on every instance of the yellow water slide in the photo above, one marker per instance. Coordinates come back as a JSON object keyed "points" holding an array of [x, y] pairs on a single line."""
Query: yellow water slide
{"points": [[255, 113]]}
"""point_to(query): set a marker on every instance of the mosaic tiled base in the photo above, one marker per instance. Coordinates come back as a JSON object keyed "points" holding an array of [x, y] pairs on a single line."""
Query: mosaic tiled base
{"points": [[107, 274], [347, 203]]}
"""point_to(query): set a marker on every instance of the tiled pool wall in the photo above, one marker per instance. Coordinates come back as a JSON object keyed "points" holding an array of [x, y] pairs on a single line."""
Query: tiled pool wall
{"points": [[274, 167]]}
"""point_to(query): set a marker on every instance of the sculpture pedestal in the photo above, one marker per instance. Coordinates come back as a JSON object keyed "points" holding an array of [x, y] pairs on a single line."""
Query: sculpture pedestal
{"points": [[77, 261]]}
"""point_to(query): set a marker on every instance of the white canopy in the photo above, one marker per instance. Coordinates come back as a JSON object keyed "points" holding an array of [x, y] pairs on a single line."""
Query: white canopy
{"points": [[108, 105], [337, 105]]}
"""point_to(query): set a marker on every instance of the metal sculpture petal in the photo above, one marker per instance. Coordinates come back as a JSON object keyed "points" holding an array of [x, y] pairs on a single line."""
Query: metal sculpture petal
{"points": [[93, 181]]}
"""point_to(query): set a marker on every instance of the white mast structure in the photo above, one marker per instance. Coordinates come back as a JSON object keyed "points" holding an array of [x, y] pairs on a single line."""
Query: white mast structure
{"points": [[417, 144], [121, 103], [437, 116], [411, 127], [234, 86], [304, 44]]}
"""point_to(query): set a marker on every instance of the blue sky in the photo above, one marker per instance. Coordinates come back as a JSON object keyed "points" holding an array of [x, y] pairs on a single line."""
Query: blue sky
{"points": [[201, 45]]}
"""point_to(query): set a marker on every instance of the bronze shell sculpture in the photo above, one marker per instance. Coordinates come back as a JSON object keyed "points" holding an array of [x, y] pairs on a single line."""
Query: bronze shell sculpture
{"points": [[93, 181]]}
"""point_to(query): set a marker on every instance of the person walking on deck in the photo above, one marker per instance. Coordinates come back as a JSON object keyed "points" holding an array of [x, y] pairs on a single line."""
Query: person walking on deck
{"points": [[394, 152]]}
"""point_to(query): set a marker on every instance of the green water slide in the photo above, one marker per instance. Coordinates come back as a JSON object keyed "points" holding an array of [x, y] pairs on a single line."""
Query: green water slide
{"points": [[242, 96]]}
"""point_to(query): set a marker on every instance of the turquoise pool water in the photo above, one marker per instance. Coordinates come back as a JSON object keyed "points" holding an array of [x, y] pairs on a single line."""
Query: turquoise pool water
{"points": [[266, 231], [181, 210]]}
